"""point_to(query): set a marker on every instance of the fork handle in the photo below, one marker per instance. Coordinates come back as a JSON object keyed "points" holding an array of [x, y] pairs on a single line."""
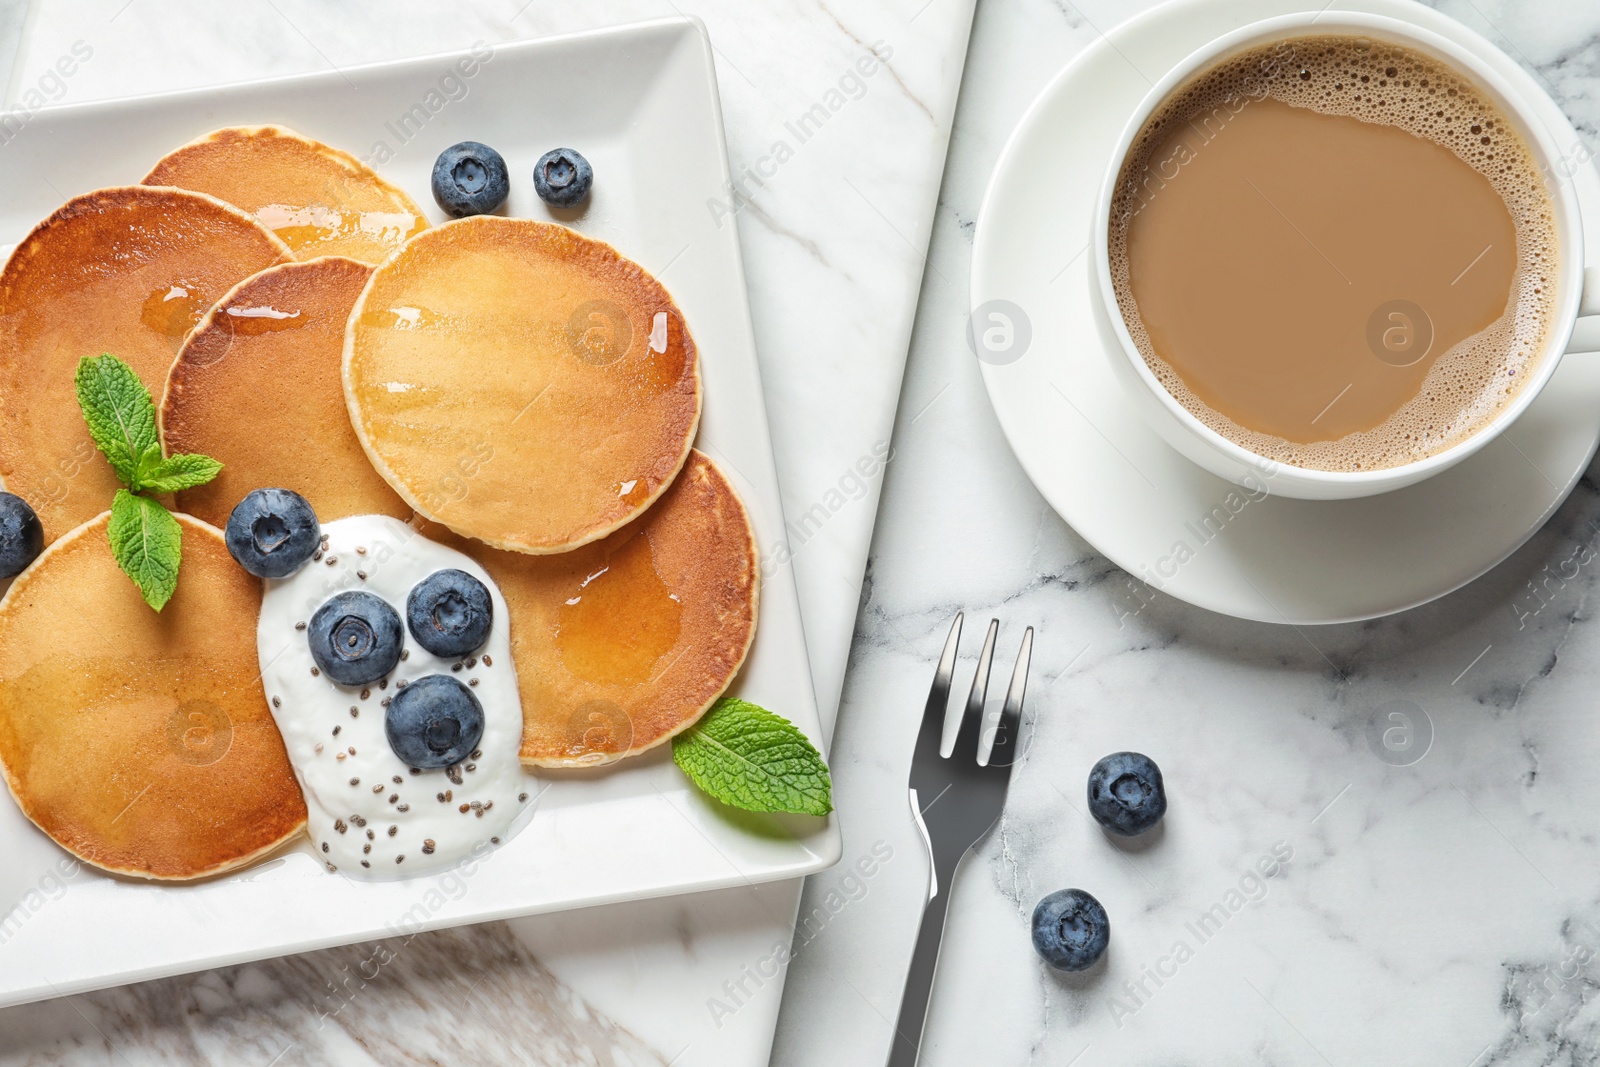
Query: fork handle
{"points": [[908, 1029]]}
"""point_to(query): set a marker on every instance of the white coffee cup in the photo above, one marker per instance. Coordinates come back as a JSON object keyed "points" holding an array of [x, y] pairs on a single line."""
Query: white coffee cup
{"points": [[1577, 290]]}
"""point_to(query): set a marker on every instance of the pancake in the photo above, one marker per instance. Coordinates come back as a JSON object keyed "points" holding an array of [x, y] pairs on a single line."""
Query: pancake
{"points": [[142, 742], [321, 201], [520, 383], [257, 387], [128, 271], [627, 641]]}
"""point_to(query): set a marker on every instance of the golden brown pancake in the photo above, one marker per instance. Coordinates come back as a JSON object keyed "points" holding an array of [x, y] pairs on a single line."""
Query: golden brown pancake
{"points": [[520, 383], [321, 201], [627, 641], [257, 387], [142, 742], [128, 271]]}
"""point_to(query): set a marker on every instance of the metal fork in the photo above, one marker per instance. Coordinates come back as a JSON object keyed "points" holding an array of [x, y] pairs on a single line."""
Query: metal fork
{"points": [[955, 801]]}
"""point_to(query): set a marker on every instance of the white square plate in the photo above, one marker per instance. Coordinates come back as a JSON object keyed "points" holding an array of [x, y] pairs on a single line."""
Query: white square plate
{"points": [[641, 103]]}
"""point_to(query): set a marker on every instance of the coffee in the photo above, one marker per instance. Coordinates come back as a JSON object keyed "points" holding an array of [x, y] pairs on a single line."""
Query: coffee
{"points": [[1336, 252]]}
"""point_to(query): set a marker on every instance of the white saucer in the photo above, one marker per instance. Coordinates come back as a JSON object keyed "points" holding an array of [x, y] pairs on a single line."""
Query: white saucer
{"points": [[1143, 505]]}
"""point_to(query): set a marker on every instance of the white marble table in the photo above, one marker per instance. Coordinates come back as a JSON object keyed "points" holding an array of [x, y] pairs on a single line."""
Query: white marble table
{"points": [[1445, 912], [833, 242]]}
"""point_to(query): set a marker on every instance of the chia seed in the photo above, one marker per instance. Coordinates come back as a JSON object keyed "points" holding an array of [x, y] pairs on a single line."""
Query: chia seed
{"points": [[362, 575], [358, 820], [405, 653], [494, 840], [365, 693], [366, 849], [455, 666], [427, 846], [371, 836], [476, 753], [472, 681], [393, 797], [355, 781], [385, 701], [401, 684], [338, 824], [361, 550], [378, 788], [487, 662], [331, 560], [453, 772], [315, 672], [364, 863], [397, 779], [472, 661], [441, 798], [399, 859], [277, 703], [393, 830], [299, 626], [339, 755], [523, 797], [319, 748], [324, 846], [318, 553], [355, 713], [471, 767], [383, 683], [414, 770], [465, 808], [403, 807], [336, 730]]}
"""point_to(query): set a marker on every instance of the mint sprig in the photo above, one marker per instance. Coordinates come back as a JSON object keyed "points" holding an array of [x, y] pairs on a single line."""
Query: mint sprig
{"points": [[750, 758], [146, 541]]}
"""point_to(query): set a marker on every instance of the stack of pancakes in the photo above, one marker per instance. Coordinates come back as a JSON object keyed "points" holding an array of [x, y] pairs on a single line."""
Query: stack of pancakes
{"points": [[515, 389]]}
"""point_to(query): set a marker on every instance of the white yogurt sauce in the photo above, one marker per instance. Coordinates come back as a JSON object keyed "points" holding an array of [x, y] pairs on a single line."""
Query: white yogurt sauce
{"points": [[370, 816]]}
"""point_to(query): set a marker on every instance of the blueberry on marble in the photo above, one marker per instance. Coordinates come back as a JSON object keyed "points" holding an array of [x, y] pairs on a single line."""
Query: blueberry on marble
{"points": [[562, 177], [1126, 793], [449, 613], [1070, 930], [272, 532], [470, 179], [434, 722], [355, 638], [21, 535]]}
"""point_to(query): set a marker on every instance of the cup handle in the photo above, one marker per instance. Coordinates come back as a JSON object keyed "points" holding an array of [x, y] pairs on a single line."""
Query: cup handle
{"points": [[1586, 331]]}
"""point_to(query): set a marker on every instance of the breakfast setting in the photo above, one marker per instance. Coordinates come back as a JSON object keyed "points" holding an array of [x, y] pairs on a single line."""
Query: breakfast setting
{"points": [[929, 534]]}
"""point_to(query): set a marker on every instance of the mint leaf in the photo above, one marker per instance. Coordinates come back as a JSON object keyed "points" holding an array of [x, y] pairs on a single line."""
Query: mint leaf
{"points": [[750, 758], [120, 413], [183, 471], [147, 543]]}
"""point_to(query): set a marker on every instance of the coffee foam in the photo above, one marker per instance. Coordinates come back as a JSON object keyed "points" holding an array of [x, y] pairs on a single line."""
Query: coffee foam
{"points": [[1470, 383]]}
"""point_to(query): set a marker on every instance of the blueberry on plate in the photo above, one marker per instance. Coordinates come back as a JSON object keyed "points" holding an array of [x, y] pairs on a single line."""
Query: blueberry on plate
{"points": [[434, 722], [272, 532], [449, 613], [562, 177], [21, 535], [355, 638], [1126, 794], [1070, 930], [470, 179]]}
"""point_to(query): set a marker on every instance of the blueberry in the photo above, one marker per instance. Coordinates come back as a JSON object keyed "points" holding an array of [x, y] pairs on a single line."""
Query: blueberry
{"points": [[1070, 930], [355, 638], [1126, 794], [434, 722], [272, 532], [21, 535], [470, 179], [562, 177], [449, 613]]}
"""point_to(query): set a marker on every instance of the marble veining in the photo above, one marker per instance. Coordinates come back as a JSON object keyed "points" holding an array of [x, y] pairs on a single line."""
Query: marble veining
{"points": [[1333, 884]]}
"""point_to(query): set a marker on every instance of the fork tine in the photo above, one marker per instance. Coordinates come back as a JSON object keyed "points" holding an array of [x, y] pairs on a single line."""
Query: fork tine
{"points": [[931, 734], [972, 719], [1009, 728]]}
